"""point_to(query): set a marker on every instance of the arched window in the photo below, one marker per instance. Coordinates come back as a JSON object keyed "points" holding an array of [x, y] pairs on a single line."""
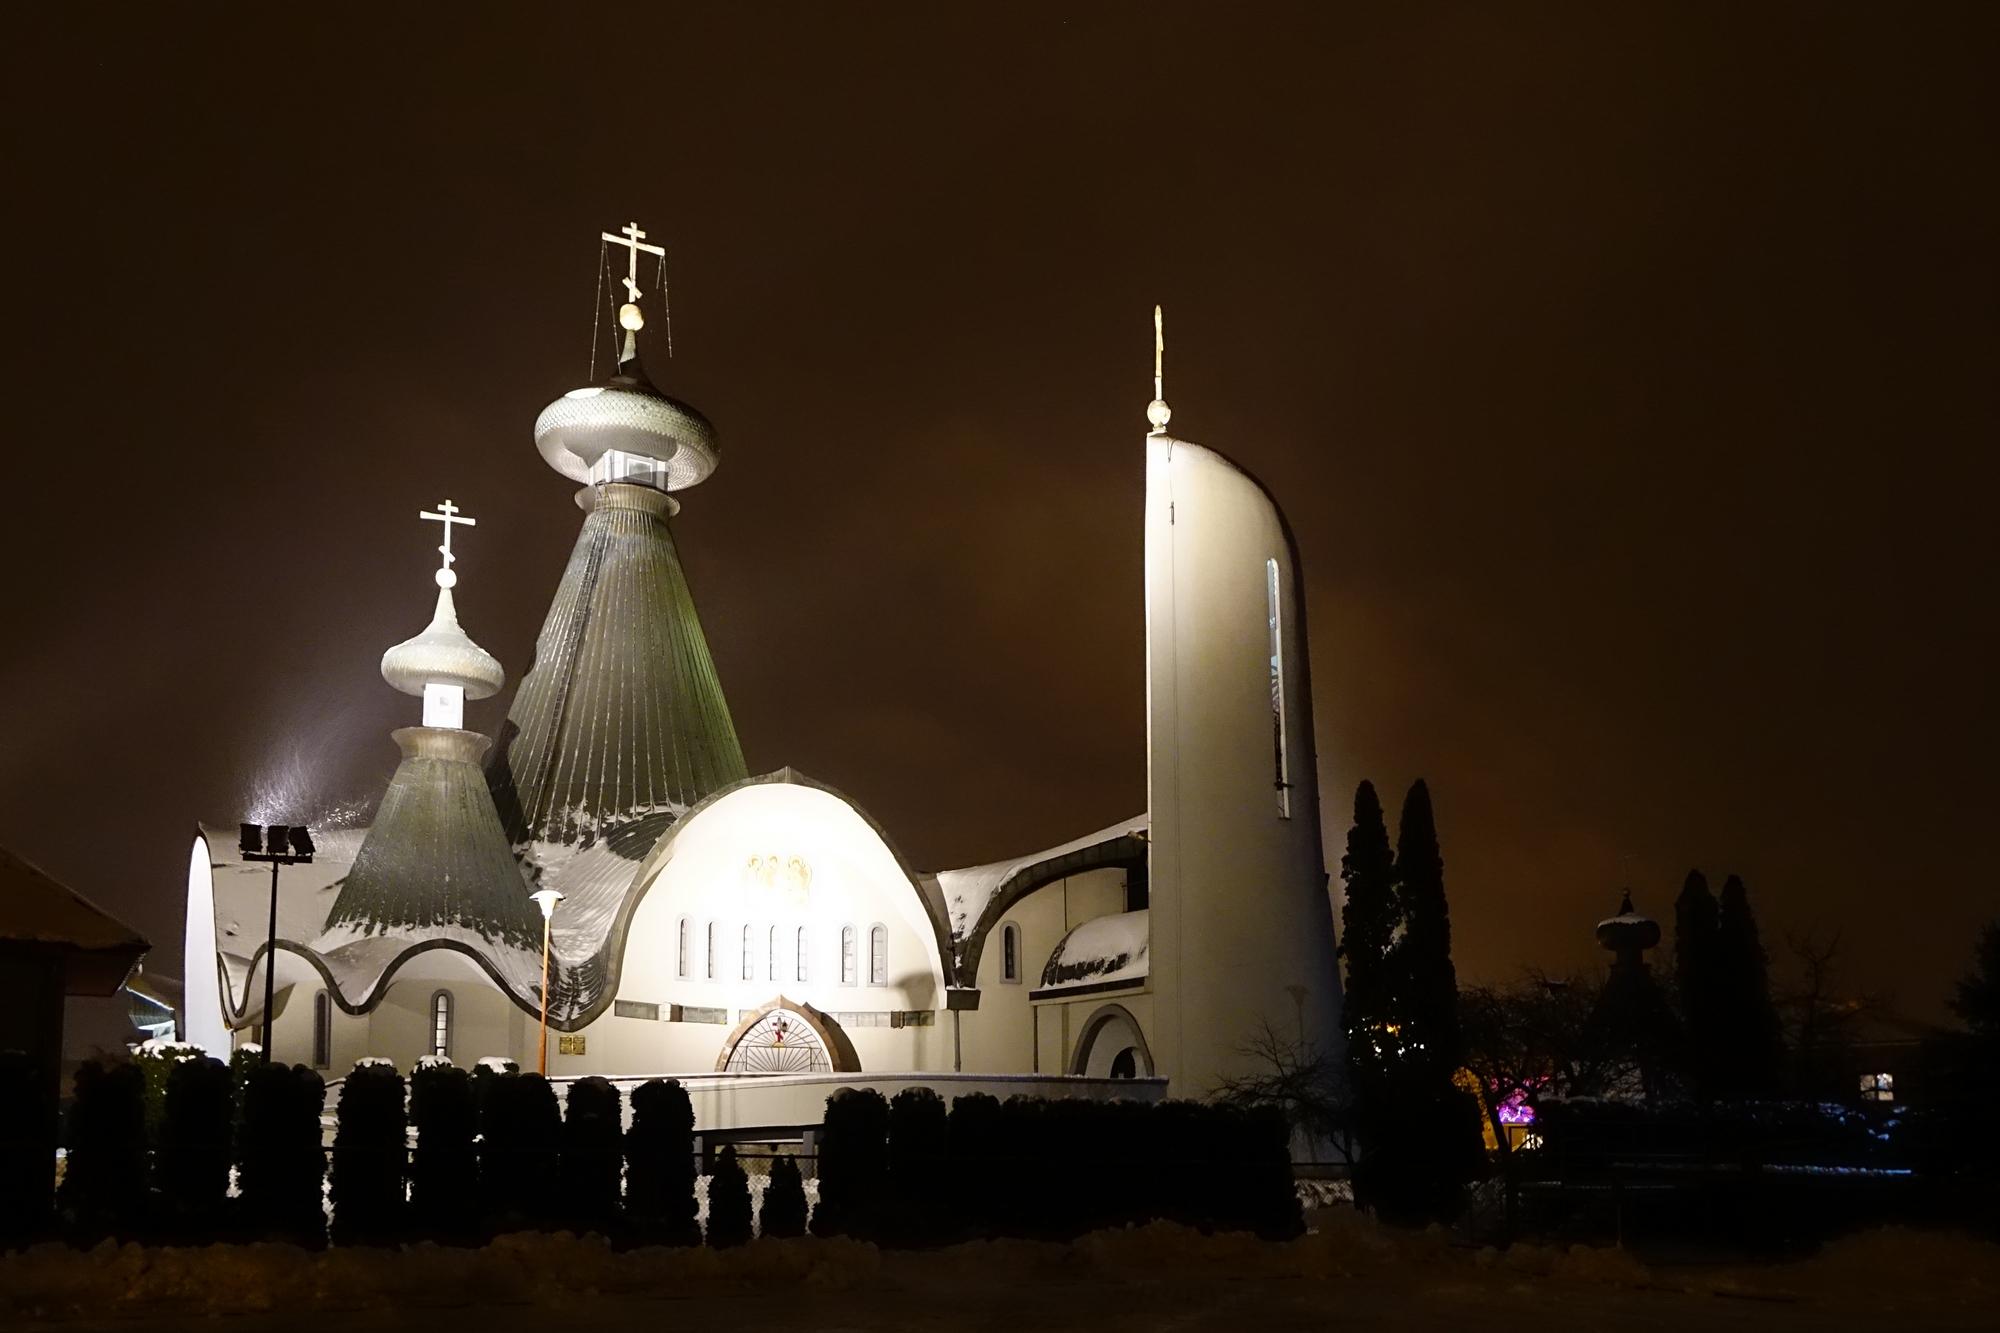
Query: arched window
{"points": [[803, 970], [1010, 953], [847, 955], [878, 955], [322, 1031], [711, 951], [681, 966], [749, 954], [772, 961], [441, 1023]]}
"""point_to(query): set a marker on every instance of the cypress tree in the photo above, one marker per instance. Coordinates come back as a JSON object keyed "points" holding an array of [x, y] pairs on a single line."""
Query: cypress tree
{"points": [[104, 1189], [27, 1167], [853, 1148], [783, 1216], [728, 1202], [1423, 975], [593, 1153], [973, 1128], [281, 1164], [1698, 978], [1368, 924], [659, 1164], [370, 1156], [1753, 1050], [195, 1136], [919, 1174], [1976, 997], [444, 1169]]}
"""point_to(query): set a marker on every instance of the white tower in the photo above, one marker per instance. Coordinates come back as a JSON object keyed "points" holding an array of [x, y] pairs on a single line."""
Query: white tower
{"points": [[1242, 925]]}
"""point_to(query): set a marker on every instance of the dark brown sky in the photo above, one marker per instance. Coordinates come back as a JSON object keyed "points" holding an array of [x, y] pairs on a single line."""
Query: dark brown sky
{"points": [[1627, 376]]}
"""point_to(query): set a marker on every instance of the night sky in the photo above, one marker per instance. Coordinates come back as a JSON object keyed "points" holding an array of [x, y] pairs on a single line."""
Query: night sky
{"points": [[1627, 377]]}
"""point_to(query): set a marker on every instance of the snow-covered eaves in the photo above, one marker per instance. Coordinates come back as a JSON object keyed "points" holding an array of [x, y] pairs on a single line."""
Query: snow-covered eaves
{"points": [[1105, 953], [970, 893]]}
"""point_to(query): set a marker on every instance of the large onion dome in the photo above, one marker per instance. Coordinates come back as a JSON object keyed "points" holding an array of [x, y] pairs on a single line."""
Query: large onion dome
{"points": [[612, 431]]}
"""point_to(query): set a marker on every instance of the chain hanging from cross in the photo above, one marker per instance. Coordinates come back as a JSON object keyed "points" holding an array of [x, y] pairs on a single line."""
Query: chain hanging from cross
{"points": [[448, 515]]}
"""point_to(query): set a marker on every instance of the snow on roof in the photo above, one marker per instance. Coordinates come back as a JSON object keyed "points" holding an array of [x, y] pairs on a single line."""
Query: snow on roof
{"points": [[1101, 951], [967, 891]]}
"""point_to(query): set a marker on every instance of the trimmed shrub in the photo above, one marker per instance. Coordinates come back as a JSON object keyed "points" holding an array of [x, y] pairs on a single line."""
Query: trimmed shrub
{"points": [[104, 1190], [280, 1161], [520, 1129], [728, 1202], [192, 1164], [593, 1154], [27, 1149], [783, 1216], [659, 1165], [370, 1156], [1267, 1199], [444, 1169], [853, 1151], [972, 1132], [919, 1150]]}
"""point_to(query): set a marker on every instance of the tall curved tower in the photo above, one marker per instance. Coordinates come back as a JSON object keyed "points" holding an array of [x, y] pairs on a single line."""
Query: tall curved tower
{"points": [[1242, 925], [621, 725]]}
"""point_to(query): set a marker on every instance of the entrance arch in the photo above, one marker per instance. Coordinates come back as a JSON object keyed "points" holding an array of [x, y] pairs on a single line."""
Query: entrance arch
{"points": [[787, 1038], [1112, 1046]]}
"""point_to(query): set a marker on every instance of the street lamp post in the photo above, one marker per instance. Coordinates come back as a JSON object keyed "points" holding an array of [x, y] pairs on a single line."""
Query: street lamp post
{"points": [[281, 845], [546, 899]]}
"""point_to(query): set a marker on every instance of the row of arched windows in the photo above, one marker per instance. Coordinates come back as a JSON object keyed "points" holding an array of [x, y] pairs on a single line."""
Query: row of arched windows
{"points": [[702, 951], [441, 1014]]}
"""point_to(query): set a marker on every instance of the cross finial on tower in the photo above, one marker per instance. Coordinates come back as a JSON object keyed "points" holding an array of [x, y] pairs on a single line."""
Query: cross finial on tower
{"points": [[447, 514], [1157, 412], [634, 241]]}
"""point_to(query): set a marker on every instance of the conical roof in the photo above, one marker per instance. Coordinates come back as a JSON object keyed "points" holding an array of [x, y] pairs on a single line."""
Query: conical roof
{"points": [[436, 866], [621, 724]]}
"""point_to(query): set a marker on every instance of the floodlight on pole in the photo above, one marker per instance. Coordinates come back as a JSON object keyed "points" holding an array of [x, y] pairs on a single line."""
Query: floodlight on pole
{"points": [[546, 899], [288, 845]]}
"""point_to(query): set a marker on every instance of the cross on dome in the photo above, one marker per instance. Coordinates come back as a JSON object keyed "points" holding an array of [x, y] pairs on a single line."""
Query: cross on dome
{"points": [[447, 514], [634, 241]]}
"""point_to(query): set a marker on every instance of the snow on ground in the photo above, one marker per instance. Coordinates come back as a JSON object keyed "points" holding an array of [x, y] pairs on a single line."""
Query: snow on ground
{"points": [[1349, 1273]]}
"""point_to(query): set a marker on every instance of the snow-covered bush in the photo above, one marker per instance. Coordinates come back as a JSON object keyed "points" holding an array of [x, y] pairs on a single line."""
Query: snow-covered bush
{"points": [[593, 1154], [195, 1146], [659, 1164], [444, 1169], [105, 1178], [370, 1156], [853, 1161], [281, 1166]]}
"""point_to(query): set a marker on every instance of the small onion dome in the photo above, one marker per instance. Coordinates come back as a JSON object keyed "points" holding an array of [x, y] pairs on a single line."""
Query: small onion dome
{"points": [[443, 655], [1628, 932], [628, 414]]}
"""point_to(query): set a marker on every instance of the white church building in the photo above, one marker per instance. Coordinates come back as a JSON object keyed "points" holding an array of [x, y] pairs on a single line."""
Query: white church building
{"points": [[760, 936]]}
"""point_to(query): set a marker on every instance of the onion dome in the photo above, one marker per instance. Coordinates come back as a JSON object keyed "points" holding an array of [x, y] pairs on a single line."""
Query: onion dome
{"points": [[443, 655], [624, 429], [1628, 932]]}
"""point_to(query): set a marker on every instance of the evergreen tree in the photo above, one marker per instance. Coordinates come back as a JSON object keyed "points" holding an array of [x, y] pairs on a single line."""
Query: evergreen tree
{"points": [[593, 1153], [1976, 997], [195, 1134], [280, 1162], [919, 1174], [1368, 924], [659, 1164], [370, 1156], [1752, 1054], [1698, 978], [1426, 982], [853, 1162], [783, 1216], [444, 1169], [104, 1188], [728, 1202]]}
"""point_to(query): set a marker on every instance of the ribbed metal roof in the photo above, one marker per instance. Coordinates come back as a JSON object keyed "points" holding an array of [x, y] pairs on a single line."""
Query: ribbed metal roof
{"points": [[437, 856]]}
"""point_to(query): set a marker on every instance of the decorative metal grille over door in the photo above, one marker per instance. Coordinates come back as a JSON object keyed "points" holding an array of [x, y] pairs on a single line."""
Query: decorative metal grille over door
{"points": [[779, 1043]]}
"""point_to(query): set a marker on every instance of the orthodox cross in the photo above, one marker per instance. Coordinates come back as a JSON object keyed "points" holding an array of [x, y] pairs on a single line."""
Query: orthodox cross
{"points": [[634, 241], [447, 514]]}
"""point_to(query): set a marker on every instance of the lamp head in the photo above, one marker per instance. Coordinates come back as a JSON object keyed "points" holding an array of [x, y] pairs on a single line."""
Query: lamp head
{"points": [[546, 899], [302, 843], [250, 839], [277, 838]]}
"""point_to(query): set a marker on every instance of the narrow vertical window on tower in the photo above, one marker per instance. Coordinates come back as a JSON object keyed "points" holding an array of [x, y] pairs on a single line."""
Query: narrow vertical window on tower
{"points": [[711, 951], [1281, 771], [802, 954], [878, 956], [322, 1030], [749, 954], [681, 964], [847, 955]]}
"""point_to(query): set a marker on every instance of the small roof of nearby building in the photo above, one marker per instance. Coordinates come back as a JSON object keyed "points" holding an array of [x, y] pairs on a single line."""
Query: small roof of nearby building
{"points": [[35, 908]]}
